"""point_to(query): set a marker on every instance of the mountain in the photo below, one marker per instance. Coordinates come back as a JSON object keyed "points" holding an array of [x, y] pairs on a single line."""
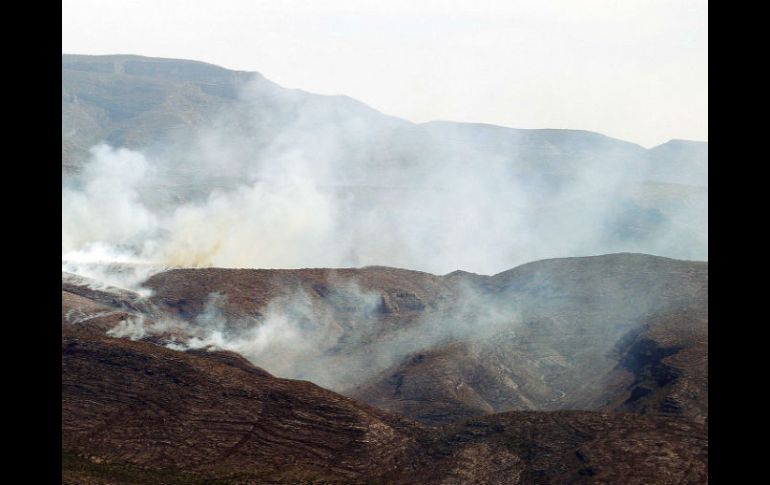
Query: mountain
{"points": [[134, 102], [140, 103]]}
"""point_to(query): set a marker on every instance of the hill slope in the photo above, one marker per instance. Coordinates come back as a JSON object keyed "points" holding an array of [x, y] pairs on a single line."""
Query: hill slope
{"points": [[134, 412], [614, 332]]}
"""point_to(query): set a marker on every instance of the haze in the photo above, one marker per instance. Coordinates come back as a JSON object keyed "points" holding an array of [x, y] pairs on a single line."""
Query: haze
{"points": [[635, 70]]}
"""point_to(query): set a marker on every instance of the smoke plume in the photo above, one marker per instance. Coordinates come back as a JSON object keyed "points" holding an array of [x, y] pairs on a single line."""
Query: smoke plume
{"points": [[289, 180]]}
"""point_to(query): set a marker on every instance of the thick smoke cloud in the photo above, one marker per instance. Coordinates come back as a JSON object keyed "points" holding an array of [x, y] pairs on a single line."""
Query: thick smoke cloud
{"points": [[107, 210], [288, 180]]}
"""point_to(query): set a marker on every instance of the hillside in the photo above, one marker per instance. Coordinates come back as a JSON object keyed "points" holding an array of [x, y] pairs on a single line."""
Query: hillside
{"points": [[134, 412], [615, 332]]}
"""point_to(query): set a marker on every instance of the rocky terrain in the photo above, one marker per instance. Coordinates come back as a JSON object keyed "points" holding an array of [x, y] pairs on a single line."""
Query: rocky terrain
{"points": [[575, 333], [598, 366], [136, 403], [135, 412]]}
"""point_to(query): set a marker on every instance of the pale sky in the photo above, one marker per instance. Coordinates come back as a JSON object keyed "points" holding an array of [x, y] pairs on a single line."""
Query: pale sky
{"points": [[631, 69]]}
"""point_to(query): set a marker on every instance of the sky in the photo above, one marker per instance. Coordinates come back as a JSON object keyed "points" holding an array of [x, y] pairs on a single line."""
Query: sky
{"points": [[631, 69]]}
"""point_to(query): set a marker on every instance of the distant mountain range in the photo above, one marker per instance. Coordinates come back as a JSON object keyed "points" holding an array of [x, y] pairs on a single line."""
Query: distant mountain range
{"points": [[206, 129], [139, 102]]}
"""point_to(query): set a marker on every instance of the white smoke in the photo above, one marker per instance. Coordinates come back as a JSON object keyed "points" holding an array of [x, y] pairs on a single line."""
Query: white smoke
{"points": [[292, 338], [107, 209], [291, 180], [100, 267], [132, 328], [337, 342], [282, 224]]}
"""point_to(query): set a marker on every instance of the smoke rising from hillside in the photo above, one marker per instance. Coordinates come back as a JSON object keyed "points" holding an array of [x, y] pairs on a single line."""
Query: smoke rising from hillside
{"points": [[337, 341], [340, 333], [289, 180]]}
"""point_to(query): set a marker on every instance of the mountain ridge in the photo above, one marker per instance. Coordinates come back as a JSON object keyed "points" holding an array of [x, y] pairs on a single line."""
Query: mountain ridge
{"points": [[70, 58], [93, 62]]}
